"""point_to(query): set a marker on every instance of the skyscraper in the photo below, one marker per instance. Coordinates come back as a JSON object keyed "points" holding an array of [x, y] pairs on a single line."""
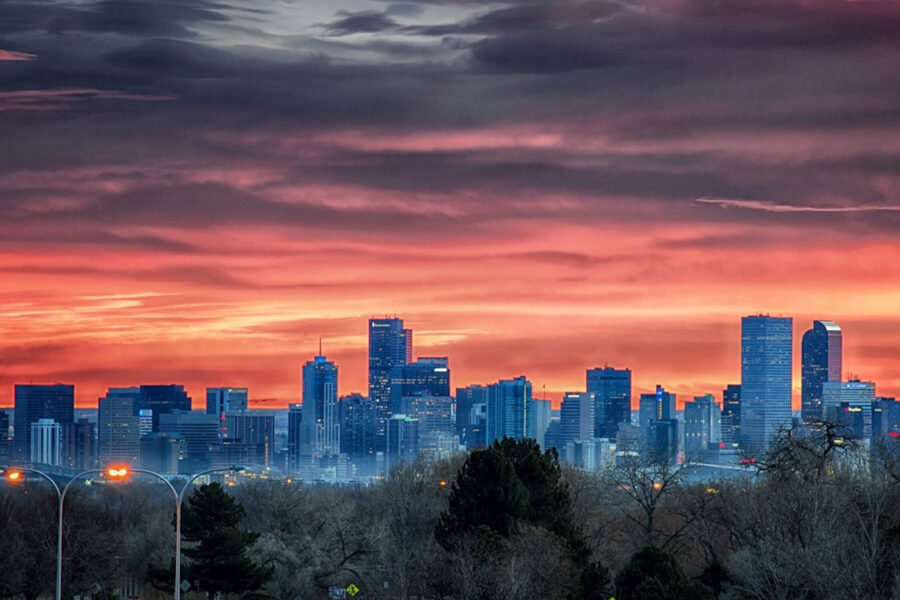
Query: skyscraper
{"points": [[220, 400], [79, 446], [295, 426], [118, 427], [731, 414], [543, 412], [427, 376], [702, 426], [357, 416], [320, 430], [5, 448], [389, 345], [612, 399], [402, 440], [849, 404], [466, 399], [198, 431], [35, 402], [654, 408], [576, 416], [164, 399], [510, 410], [766, 356], [821, 362], [256, 429], [46, 443]]}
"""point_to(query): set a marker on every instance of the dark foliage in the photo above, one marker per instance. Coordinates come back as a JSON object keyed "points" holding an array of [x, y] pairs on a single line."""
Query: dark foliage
{"points": [[219, 556]]}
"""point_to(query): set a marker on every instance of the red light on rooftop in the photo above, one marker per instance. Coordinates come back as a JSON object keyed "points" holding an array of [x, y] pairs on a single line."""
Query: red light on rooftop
{"points": [[894, 434], [14, 475], [117, 472]]}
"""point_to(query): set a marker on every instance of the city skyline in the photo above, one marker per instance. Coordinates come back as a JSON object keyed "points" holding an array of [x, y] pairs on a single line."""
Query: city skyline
{"points": [[556, 396]]}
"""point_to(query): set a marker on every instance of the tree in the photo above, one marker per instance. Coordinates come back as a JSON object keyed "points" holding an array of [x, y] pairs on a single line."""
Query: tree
{"points": [[219, 557], [508, 489], [654, 574]]}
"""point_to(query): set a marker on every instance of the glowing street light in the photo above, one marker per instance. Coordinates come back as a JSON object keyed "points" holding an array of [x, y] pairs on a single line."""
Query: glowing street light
{"points": [[114, 473]]}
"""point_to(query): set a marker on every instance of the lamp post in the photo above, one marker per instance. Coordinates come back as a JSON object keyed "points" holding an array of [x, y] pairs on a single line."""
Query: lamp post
{"points": [[15, 475], [119, 473], [178, 500]]}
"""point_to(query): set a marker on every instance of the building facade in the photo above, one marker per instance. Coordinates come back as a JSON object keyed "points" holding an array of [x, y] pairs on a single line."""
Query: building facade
{"points": [[821, 361], [612, 397], [36, 402], [766, 359]]}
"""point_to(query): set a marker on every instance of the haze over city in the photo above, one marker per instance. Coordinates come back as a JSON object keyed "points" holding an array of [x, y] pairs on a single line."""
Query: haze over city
{"points": [[196, 192]]}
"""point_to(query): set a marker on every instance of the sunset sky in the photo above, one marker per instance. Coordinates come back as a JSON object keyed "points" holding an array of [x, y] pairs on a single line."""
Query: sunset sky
{"points": [[194, 191]]}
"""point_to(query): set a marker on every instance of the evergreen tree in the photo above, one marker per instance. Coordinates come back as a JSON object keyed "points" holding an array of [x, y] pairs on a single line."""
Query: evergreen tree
{"points": [[654, 574], [219, 558], [512, 484]]}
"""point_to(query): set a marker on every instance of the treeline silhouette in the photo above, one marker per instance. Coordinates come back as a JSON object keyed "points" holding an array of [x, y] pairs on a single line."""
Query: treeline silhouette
{"points": [[820, 521]]}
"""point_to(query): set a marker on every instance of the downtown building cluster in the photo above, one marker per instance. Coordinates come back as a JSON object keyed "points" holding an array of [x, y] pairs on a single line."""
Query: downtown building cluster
{"points": [[412, 413]]}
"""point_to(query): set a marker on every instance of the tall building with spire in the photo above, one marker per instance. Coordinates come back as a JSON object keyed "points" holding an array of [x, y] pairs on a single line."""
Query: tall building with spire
{"points": [[821, 362], [320, 426], [766, 358]]}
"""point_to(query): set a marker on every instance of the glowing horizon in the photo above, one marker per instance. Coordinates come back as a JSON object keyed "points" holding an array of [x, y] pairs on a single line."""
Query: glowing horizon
{"points": [[198, 193]]}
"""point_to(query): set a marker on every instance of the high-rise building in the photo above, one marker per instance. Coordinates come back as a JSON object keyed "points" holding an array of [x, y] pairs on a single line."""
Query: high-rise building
{"points": [[702, 426], [885, 418], [389, 345], [357, 417], [256, 429], [662, 443], [435, 413], [427, 376], [79, 445], [820, 362], [402, 440], [576, 416], [46, 443], [320, 431], [164, 399], [510, 410], [658, 406], [162, 452], [849, 403], [731, 414], [543, 412], [220, 400], [766, 356], [466, 399], [199, 431], [35, 402], [295, 426], [5, 448], [119, 427], [612, 399]]}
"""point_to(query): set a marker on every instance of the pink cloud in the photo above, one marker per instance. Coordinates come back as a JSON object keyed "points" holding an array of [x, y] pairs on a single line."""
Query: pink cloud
{"points": [[14, 55]]}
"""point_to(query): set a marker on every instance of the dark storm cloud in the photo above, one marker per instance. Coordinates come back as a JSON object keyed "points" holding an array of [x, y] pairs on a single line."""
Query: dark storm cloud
{"points": [[367, 21], [628, 72], [518, 18], [126, 17]]}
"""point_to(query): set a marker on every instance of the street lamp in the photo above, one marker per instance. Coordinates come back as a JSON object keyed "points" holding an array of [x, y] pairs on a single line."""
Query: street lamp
{"points": [[115, 473], [15, 475], [178, 500]]}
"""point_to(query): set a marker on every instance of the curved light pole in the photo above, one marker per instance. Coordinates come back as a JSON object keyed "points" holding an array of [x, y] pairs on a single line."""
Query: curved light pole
{"points": [[179, 497], [13, 474]]}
